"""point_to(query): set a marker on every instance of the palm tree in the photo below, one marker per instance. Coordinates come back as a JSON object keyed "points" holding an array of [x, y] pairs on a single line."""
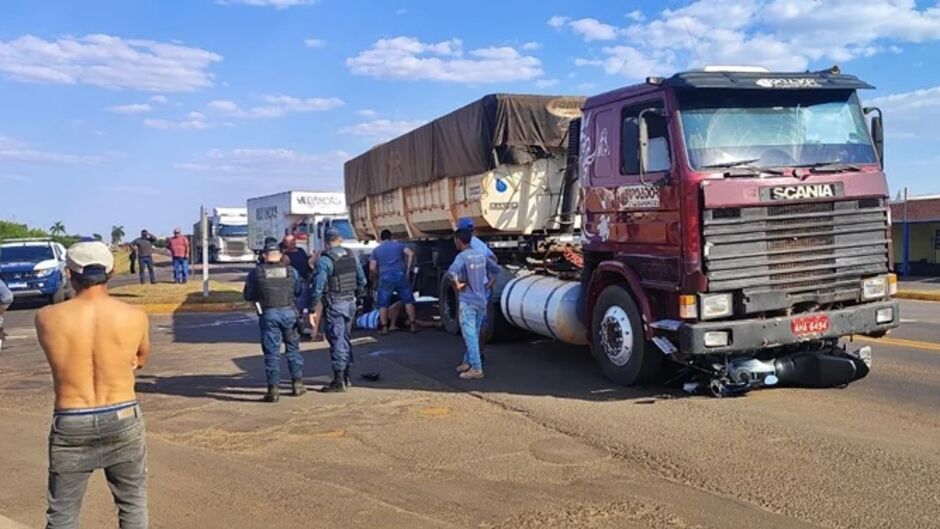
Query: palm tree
{"points": [[97, 236], [117, 235], [57, 229]]}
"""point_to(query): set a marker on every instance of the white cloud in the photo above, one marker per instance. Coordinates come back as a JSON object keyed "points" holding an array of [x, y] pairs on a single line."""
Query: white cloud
{"points": [[192, 121], [546, 83], [14, 177], [131, 190], [367, 113], [408, 58], [382, 129], [557, 21], [593, 29], [778, 34], [18, 152], [275, 106], [314, 43], [134, 108], [910, 115], [160, 99], [107, 61], [530, 46], [278, 4], [268, 163]]}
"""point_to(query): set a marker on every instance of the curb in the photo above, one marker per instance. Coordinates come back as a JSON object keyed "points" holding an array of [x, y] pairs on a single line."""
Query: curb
{"points": [[922, 295], [176, 308]]}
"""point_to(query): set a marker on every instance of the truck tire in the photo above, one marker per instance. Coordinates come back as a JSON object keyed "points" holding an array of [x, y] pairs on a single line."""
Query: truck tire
{"points": [[59, 295], [449, 306], [618, 342]]}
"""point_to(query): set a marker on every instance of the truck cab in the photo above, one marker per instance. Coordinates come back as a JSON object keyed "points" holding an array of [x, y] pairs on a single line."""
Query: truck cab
{"points": [[731, 216], [34, 268]]}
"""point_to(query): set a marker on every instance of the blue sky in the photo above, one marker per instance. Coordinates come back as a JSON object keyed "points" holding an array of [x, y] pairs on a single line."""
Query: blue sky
{"points": [[136, 112]]}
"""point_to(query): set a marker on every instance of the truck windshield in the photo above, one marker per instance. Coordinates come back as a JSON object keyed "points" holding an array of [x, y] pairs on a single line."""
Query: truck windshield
{"points": [[344, 228], [227, 230], [25, 254], [774, 128]]}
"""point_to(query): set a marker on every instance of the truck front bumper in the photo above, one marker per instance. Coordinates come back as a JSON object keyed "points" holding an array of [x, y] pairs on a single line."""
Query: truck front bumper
{"points": [[754, 334], [244, 258]]}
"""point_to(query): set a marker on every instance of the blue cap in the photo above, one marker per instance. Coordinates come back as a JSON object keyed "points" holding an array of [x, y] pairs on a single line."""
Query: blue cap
{"points": [[465, 223], [332, 235], [272, 247]]}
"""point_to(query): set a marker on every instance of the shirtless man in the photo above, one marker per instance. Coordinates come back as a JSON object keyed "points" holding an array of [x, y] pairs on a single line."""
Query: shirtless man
{"points": [[94, 343]]}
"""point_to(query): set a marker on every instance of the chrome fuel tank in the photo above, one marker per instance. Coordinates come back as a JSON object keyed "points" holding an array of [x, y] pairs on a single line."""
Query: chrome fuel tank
{"points": [[546, 306]]}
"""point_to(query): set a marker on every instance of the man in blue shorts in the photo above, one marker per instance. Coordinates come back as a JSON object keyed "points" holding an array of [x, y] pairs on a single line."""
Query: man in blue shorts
{"points": [[390, 264]]}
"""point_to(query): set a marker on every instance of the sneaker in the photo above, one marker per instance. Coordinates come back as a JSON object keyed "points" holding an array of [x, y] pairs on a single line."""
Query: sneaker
{"points": [[463, 368], [472, 374]]}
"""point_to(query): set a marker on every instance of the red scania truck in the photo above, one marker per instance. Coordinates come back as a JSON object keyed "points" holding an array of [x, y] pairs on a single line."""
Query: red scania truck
{"points": [[733, 221]]}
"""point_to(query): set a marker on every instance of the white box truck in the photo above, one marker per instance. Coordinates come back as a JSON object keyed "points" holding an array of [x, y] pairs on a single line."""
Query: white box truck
{"points": [[304, 214]]}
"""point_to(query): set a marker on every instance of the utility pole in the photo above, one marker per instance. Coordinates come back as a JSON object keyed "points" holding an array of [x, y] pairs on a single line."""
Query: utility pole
{"points": [[204, 234], [905, 242]]}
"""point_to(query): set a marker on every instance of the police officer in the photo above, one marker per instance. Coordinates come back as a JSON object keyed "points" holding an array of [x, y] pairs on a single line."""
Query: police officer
{"points": [[274, 285], [339, 281]]}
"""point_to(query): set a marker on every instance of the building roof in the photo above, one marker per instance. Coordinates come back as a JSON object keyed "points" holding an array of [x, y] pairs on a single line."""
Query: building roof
{"points": [[919, 209]]}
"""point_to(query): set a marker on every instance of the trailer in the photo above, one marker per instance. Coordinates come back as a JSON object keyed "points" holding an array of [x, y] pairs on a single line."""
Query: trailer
{"points": [[729, 221]]}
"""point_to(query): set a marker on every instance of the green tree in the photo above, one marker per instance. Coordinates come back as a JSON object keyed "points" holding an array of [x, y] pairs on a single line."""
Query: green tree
{"points": [[117, 235], [57, 229]]}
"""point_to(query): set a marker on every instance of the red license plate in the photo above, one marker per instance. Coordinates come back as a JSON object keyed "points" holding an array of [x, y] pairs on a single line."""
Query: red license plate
{"points": [[808, 325]]}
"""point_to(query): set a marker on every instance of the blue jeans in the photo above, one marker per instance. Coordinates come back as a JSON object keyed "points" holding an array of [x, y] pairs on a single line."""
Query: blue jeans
{"points": [[148, 262], [276, 325], [82, 441], [339, 314], [471, 321], [394, 283], [180, 269]]}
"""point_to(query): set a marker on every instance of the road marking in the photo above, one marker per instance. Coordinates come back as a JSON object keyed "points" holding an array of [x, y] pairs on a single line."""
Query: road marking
{"points": [[901, 342]]}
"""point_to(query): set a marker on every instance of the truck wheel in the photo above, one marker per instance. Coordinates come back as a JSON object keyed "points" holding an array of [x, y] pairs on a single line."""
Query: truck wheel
{"points": [[59, 295], [618, 342], [449, 306]]}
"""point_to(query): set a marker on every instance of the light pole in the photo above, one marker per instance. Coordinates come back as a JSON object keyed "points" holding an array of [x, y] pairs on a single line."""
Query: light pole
{"points": [[204, 235]]}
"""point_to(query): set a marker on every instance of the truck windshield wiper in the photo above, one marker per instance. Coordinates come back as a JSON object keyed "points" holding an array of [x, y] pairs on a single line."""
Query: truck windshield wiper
{"points": [[744, 165], [831, 167]]}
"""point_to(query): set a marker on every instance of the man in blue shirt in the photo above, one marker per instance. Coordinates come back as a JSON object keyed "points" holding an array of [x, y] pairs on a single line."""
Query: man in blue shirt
{"points": [[339, 280], [6, 299], [466, 223], [473, 275], [272, 286], [390, 265]]}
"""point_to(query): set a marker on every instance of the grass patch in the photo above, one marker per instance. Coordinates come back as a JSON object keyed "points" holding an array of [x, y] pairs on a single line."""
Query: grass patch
{"points": [[188, 294], [122, 262]]}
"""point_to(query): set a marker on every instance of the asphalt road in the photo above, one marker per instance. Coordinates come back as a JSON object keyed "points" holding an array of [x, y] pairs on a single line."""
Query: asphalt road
{"points": [[544, 441]]}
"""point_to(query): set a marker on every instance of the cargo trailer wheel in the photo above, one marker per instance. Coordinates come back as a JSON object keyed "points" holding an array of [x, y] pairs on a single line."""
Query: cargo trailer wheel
{"points": [[618, 342], [449, 306]]}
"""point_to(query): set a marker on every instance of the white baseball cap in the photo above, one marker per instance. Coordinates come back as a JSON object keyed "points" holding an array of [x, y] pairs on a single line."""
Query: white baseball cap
{"points": [[96, 255]]}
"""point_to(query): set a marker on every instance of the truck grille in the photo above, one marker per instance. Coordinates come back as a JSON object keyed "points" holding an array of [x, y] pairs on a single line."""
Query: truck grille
{"points": [[235, 247], [777, 256]]}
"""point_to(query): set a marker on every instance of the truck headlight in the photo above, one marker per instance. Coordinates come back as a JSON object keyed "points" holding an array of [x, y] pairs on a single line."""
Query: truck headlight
{"points": [[715, 306], [875, 288], [45, 272], [885, 315]]}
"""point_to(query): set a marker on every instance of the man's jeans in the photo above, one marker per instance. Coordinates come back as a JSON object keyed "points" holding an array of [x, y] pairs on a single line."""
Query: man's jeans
{"points": [[276, 325], [339, 315], [83, 441], [471, 321], [148, 262], [180, 269]]}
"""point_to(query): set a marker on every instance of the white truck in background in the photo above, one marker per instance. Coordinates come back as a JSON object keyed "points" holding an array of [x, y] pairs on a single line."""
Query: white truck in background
{"points": [[304, 214], [227, 236]]}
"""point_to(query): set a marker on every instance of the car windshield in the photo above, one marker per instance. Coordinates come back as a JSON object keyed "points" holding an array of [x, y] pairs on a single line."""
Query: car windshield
{"points": [[226, 230], [344, 228], [25, 254], [774, 128]]}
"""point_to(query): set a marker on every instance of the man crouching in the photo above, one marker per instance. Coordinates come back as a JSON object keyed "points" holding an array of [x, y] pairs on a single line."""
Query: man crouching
{"points": [[94, 344]]}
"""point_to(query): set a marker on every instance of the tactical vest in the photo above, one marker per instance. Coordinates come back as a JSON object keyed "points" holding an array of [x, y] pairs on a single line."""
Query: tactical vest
{"points": [[275, 284], [342, 284]]}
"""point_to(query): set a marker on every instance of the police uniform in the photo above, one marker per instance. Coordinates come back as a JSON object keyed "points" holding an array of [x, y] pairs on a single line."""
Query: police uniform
{"points": [[339, 281], [274, 286]]}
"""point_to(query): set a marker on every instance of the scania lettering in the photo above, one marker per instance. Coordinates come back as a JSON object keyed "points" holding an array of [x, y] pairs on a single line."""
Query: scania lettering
{"points": [[732, 222]]}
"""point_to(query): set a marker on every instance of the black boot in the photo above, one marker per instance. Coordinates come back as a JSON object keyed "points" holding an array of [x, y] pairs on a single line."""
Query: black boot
{"points": [[297, 386], [346, 379], [337, 386], [273, 394]]}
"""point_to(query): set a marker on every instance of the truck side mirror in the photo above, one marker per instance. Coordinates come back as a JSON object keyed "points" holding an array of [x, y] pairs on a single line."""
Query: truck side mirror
{"points": [[877, 133], [644, 140]]}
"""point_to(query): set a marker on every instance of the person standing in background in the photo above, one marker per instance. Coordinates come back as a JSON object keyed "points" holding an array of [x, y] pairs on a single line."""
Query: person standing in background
{"points": [[473, 274], [6, 299], [132, 258], [179, 251], [144, 247], [389, 267]]}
